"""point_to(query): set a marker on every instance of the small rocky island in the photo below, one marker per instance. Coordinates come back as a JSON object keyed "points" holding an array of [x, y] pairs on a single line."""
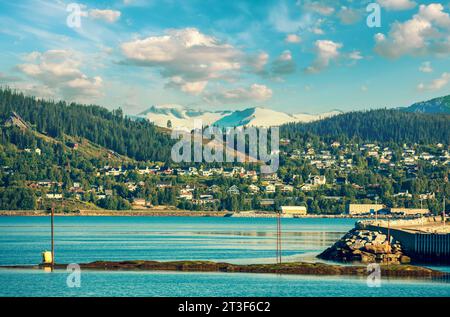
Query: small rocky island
{"points": [[299, 268], [366, 246]]}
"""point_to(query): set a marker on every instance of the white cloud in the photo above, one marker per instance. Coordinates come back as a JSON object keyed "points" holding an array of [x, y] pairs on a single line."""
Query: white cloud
{"points": [[426, 67], [419, 35], [52, 66], [292, 38], [284, 64], [285, 56], [109, 16], [82, 87], [59, 71], [355, 55], [434, 12], [436, 84], [404, 38], [187, 54], [193, 88], [281, 19], [285, 20], [397, 5], [317, 31], [326, 51], [36, 90], [138, 3], [349, 16], [6, 79], [258, 62], [319, 8], [255, 92]]}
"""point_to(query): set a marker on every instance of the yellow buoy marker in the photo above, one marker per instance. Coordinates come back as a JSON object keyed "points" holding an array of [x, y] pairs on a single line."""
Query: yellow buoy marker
{"points": [[46, 257]]}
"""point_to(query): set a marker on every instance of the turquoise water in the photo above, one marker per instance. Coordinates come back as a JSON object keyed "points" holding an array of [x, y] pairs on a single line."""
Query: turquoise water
{"points": [[33, 283], [234, 240]]}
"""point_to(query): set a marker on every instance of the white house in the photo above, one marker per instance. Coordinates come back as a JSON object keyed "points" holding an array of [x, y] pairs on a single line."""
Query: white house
{"points": [[54, 196]]}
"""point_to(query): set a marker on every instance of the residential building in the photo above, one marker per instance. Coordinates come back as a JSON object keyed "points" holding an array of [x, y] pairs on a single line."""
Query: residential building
{"points": [[233, 190], [269, 189], [54, 196], [253, 188]]}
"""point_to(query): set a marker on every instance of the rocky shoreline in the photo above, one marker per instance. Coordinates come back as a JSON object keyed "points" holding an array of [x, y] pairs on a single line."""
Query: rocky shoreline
{"points": [[300, 268], [366, 246]]}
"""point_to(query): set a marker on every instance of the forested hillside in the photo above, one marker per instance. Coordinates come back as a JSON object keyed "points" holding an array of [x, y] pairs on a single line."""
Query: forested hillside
{"points": [[377, 125], [140, 140], [436, 105]]}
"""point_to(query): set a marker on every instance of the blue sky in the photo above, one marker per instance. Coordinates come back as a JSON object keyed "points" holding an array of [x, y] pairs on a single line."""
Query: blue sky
{"points": [[293, 56]]}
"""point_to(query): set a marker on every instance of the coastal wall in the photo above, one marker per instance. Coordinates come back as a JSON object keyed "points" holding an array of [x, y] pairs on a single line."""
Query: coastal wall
{"points": [[420, 246], [423, 221]]}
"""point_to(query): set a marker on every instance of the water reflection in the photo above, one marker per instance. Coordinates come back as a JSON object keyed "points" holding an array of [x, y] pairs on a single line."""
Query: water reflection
{"points": [[85, 239]]}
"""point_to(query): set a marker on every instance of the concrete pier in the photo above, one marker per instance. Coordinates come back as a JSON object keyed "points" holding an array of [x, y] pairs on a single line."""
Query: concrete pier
{"points": [[425, 239]]}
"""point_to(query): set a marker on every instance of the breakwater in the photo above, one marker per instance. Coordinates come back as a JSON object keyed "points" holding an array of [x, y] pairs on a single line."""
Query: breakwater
{"points": [[424, 240], [366, 246]]}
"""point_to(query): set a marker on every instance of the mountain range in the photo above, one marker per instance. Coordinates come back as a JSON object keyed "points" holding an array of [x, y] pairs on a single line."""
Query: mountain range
{"points": [[183, 118], [26, 121]]}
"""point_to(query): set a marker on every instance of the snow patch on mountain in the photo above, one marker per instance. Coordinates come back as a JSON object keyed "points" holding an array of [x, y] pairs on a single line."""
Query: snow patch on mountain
{"points": [[183, 118]]}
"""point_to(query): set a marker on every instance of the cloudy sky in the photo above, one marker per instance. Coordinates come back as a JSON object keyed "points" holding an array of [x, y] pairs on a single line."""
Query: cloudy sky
{"points": [[288, 55]]}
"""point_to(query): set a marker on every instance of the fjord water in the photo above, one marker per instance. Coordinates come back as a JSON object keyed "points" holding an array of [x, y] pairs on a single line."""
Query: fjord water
{"points": [[234, 240]]}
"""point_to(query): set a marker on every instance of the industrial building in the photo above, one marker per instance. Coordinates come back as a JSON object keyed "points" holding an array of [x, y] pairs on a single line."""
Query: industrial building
{"points": [[294, 210], [409, 211], [361, 209]]}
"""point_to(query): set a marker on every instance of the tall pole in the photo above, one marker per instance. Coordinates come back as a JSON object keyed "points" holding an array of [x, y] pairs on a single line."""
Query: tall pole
{"points": [[376, 210], [52, 234], [443, 209], [389, 230], [278, 249], [279, 237], [443, 202]]}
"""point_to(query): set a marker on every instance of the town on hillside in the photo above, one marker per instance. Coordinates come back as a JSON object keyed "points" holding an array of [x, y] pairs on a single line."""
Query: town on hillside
{"points": [[314, 178]]}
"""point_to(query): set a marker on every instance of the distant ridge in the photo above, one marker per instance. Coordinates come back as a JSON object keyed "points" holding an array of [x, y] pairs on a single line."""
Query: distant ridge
{"points": [[139, 140], [436, 105], [381, 125]]}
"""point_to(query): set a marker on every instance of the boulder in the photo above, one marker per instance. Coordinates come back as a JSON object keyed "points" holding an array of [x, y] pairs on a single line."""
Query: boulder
{"points": [[405, 259], [380, 238], [367, 247], [367, 257], [378, 248]]}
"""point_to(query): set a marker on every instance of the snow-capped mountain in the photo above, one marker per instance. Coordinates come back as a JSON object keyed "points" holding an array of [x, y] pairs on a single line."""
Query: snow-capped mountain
{"points": [[183, 118]]}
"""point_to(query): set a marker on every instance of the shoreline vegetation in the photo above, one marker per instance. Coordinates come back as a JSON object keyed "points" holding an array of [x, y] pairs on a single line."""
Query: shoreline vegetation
{"points": [[295, 268]]}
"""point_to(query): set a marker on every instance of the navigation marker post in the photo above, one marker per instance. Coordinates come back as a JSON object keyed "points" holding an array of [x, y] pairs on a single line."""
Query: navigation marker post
{"points": [[443, 202], [52, 235], [279, 260]]}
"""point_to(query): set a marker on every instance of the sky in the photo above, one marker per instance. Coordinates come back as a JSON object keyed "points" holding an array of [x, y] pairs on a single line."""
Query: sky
{"points": [[296, 56]]}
